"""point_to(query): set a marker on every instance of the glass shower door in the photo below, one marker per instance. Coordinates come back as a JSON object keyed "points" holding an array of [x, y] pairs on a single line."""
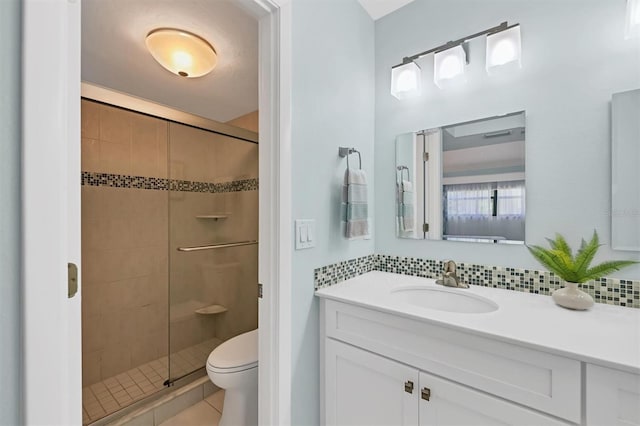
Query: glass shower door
{"points": [[213, 253]]}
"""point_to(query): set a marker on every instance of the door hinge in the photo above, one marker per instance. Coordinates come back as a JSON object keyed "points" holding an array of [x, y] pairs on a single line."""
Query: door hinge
{"points": [[72, 280], [425, 227], [259, 291], [425, 156], [426, 394], [408, 386]]}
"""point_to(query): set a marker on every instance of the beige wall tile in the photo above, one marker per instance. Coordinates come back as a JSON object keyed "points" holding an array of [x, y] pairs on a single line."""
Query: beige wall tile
{"points": [[91, 363], [90, 119], [115, 157], [249, 121], [90, 154], [115, 360], [115, 124]]}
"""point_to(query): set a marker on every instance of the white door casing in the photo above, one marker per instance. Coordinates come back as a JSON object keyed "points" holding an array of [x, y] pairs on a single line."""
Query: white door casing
{"points": [[51, 205], [51, 211]]}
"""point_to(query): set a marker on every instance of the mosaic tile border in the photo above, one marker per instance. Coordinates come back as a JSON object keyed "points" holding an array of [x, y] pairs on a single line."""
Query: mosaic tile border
{"points": [[332, 274], [611, 291], [162, 184]]}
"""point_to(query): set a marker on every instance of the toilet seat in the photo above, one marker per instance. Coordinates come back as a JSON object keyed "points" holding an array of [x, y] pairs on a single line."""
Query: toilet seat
{"points": [[237, 354]]}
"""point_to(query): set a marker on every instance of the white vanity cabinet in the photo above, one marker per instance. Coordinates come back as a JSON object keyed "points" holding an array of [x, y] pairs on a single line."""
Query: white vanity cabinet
{"points": [[383, 369], [367, 389], [613, 397]]}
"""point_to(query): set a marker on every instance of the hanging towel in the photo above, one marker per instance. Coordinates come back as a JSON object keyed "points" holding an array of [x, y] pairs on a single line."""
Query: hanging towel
{"points": [[407, 219], [355, 211]]}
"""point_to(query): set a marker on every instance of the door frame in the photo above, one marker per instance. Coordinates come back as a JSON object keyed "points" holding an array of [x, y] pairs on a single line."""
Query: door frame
{"points": [[51, 322]]}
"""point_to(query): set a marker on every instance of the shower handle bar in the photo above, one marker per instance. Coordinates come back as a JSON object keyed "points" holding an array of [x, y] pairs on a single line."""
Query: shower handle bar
{"points": [[217, 246]]}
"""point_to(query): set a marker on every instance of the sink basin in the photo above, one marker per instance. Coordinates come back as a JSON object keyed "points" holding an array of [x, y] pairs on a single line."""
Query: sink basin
{"points": [[443, 299]]}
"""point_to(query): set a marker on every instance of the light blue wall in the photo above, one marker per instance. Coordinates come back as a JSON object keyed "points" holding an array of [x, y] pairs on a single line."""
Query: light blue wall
{"points": [[10, 364], [333, 105], [574, 58]]}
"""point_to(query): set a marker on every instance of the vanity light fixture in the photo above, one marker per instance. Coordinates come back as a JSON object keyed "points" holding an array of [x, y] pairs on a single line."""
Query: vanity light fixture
{"points": [[181, 52], [448, 66], [504, 50], [450, 60], [406, 80], [632, 24]]}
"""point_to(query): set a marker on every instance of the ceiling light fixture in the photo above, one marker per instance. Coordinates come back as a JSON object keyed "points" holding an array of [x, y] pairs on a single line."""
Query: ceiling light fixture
{"points": [[448, 67], [451, 58], [632, 25], [406, 80], [181, 52], [504, 49]]}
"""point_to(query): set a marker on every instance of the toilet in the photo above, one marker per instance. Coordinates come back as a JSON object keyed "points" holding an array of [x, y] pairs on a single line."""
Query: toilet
{"points": [[233, 366]]}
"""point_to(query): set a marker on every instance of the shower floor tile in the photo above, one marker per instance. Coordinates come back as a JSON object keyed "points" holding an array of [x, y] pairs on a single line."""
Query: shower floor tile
{"points": [[110, 395]]}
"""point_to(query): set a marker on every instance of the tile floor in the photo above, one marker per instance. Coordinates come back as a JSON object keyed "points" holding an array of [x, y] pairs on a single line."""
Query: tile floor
{"points": [[108, 396], [204, 413]]}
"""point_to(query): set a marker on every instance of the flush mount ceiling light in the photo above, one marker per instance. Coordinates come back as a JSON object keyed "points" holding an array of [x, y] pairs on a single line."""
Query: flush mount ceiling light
{"points": [[504, 50], [181, 52], [448, 67], [632, 25], [406, 80], [450, 60]]}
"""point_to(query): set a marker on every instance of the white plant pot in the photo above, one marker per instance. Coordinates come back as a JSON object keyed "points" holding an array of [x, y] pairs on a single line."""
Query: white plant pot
{"points": [[572, 298]]}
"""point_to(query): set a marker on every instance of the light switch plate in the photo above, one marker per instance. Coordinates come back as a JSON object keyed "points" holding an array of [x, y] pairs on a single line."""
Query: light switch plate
{"points": [[305, 233]]}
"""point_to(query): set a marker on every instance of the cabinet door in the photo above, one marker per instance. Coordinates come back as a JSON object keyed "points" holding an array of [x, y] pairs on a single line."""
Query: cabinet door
{"points": [[452, 404], [613, 397], [366, 389]]}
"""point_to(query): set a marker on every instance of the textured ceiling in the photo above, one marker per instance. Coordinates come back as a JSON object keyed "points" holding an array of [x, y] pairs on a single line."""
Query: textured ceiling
{"points": [[379, 8], [114, 53]]}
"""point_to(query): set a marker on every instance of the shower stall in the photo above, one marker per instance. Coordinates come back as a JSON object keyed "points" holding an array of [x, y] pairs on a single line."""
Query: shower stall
{"points": [[169, 249]]}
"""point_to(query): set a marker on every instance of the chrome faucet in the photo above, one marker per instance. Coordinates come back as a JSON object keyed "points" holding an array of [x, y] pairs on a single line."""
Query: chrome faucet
{"points": [[449, 276]]}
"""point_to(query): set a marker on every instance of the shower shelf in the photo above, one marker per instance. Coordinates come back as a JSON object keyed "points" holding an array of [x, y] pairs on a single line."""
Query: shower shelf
{"points": [[213, 216], [211, 310]]}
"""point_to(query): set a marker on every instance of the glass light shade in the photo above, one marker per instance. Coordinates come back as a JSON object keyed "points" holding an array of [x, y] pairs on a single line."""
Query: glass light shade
{"points": [[406, 81], [181, 52], [632, 25], [448, 67], [504, 50]]}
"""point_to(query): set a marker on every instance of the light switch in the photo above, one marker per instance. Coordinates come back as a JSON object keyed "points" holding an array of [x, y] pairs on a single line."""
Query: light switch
{"points": [[305, 233]]}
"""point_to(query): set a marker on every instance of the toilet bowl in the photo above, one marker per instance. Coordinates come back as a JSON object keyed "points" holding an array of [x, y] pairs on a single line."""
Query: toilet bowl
{"points": [[233, 366]]}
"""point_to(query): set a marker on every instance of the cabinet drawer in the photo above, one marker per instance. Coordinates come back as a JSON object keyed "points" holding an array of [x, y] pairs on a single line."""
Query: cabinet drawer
{"points": [[535, 379], [453, 404], [613, 397]]}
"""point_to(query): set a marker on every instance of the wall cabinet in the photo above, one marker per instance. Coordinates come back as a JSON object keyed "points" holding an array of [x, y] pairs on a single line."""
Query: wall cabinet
{"points": [[384, 369]]}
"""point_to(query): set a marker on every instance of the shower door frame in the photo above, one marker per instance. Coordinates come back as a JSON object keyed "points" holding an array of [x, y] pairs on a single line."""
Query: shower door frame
{"points": [[51, 323]]}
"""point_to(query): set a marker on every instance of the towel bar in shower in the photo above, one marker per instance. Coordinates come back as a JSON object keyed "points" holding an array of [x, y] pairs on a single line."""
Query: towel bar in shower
{"points": [[217, 246]]}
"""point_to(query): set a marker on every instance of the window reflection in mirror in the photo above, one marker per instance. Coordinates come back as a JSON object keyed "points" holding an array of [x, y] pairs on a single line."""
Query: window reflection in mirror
{"points": [[463, 182]]}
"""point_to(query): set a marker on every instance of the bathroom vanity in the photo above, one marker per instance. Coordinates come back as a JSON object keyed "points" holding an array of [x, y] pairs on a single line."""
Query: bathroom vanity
{"points": [[401, 350]]}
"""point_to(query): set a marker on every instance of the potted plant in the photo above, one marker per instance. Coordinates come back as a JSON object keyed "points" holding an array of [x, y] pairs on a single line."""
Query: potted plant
{"points": [[575, 270]]}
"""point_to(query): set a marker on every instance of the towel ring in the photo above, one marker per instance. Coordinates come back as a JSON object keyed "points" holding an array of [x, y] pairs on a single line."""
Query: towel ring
{"points": [[345, 152]]}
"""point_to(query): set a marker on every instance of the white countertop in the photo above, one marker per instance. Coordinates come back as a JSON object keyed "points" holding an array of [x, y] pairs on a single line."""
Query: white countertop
{"points": [[605, 335]]}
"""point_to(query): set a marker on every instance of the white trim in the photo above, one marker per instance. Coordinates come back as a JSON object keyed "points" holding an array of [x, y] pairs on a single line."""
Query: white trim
{"points": [[51, 211], [275, 213], [51, 141]]}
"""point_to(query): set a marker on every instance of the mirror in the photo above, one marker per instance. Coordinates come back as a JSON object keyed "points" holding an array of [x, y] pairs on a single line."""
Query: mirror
{"points": [[463, 182], [625, 157]]}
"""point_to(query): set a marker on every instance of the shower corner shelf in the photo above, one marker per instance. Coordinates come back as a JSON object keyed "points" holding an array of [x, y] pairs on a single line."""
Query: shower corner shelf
{"points": [[211, 310], [213, 216]]}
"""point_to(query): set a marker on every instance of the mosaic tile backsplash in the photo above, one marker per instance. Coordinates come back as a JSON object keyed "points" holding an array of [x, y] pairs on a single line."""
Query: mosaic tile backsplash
{"points": [[160, 184], [611, 291]]}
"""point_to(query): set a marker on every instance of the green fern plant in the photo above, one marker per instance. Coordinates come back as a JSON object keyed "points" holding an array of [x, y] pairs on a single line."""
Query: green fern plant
{"points": [[560, 260]]}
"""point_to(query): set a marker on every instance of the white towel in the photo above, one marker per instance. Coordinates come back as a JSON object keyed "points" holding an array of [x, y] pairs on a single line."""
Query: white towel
{"points": [[355, 208], [407, 219]]}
